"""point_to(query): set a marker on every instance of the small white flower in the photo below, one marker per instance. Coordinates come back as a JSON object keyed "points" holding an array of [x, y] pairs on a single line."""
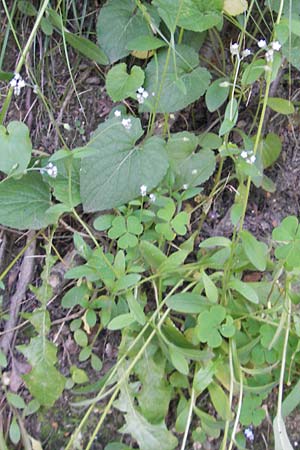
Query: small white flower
{"points": [[262, 43], [276, 46], [50, 169], [246, 53], [152, 198], [153, 94], [17, 83], [269, 55], [143, 190], [224, 84], [252, 159], [244, 154], [194, 172], [185, 139], [141, 95], [117, 113], [249, 434], [234, 49], [127, 123], [185, 186]]}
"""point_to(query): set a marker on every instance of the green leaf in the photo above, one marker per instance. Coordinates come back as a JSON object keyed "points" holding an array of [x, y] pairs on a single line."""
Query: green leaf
{"points": [[209, 322], [104, 222], [117, 169], [75, 296], [180, 146], [120, 84], [96, 362], [121, 321], [178, 361], [46, 26], [136, 309], [245, 289], [45, 383], [126, 281], [187, 302], [155, 392], [81, 338], [84, 354], [255, 250], [15, 148], [292, 400], [15, 400], [270, 149], [195, 15], [119, 22], [60, 183], [203, 377], [152, 254], [3, 360], [281, 105], [230, 118], [27, 8], [216, 94], [288, 235], [134, 225], [24, 202], [220, 401], [253, 71], [211, 290], [282, 441], [79, 376], [209, 140], [147, 435], [190, 168], [86, 47], [193, 78], [117, 446], [145, 43], [14, 432], [217, 241]]}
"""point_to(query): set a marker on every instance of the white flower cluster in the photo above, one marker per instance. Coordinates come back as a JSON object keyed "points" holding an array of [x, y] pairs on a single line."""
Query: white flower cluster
{"points": [[234, 50], [274, 46], [141, 95], [126, 123], [50, 169], [249, 434], [248, 156], [17, 83], [143, 190]]}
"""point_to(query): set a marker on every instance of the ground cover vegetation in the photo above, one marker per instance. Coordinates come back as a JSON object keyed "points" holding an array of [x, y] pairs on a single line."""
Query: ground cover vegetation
{"points": [[128, 320]]}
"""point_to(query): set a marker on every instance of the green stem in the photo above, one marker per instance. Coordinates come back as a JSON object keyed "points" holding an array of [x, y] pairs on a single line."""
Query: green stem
{"points": [[23, 57]]}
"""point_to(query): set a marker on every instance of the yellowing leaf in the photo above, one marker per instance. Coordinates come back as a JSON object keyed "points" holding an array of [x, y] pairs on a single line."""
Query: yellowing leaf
{"points": [[235, 7], [142, 54]]}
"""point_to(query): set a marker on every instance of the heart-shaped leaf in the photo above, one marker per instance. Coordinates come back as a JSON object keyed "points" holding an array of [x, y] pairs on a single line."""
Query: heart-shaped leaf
{"points": [[119, 22], [120, 84], [15, 148], [115, 169], [179, 223], [199, 15], [168, 97]]}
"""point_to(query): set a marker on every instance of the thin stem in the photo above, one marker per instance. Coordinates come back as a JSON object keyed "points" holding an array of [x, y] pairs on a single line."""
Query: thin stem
{"points": [[23, 57]]}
